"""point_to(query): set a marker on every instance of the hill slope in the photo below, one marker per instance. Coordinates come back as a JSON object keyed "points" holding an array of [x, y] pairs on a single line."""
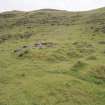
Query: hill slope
{"points": [[52, 57]]}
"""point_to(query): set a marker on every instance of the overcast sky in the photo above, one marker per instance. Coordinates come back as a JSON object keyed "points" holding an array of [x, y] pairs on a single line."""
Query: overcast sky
{"points": [[72, 5]]}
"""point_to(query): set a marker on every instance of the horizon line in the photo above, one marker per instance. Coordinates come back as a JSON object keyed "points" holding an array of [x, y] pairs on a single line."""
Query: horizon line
{"points": [[18, 10]]}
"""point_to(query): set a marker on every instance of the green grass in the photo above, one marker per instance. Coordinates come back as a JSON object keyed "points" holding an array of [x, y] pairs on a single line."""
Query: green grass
{"points": [[70, 73]]}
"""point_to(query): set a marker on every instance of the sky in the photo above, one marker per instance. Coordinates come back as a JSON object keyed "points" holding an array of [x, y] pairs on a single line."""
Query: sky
{"points": [[30, 5]]}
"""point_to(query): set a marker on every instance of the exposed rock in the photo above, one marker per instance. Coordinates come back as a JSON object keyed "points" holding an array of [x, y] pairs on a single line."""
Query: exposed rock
{"points": [[25, 49], [44, 44]]}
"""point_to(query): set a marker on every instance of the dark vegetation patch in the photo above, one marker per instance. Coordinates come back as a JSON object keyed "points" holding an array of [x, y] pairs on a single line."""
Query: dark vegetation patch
{"points": [[100, 29], [83, 44], [7, 15], [21, 52], [84, 48], [96, 75], [92, 57], [99, 72], [86, 51], [101, 42], [25, 35], [73, 54], [78, 66], [6, 37]]}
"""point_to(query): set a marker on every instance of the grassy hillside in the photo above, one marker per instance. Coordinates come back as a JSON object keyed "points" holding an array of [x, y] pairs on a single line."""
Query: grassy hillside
{"points": [[52, 57]]}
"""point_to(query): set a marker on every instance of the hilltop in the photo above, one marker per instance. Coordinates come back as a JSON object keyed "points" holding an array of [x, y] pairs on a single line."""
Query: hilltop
{"points": [[52, 57]]}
